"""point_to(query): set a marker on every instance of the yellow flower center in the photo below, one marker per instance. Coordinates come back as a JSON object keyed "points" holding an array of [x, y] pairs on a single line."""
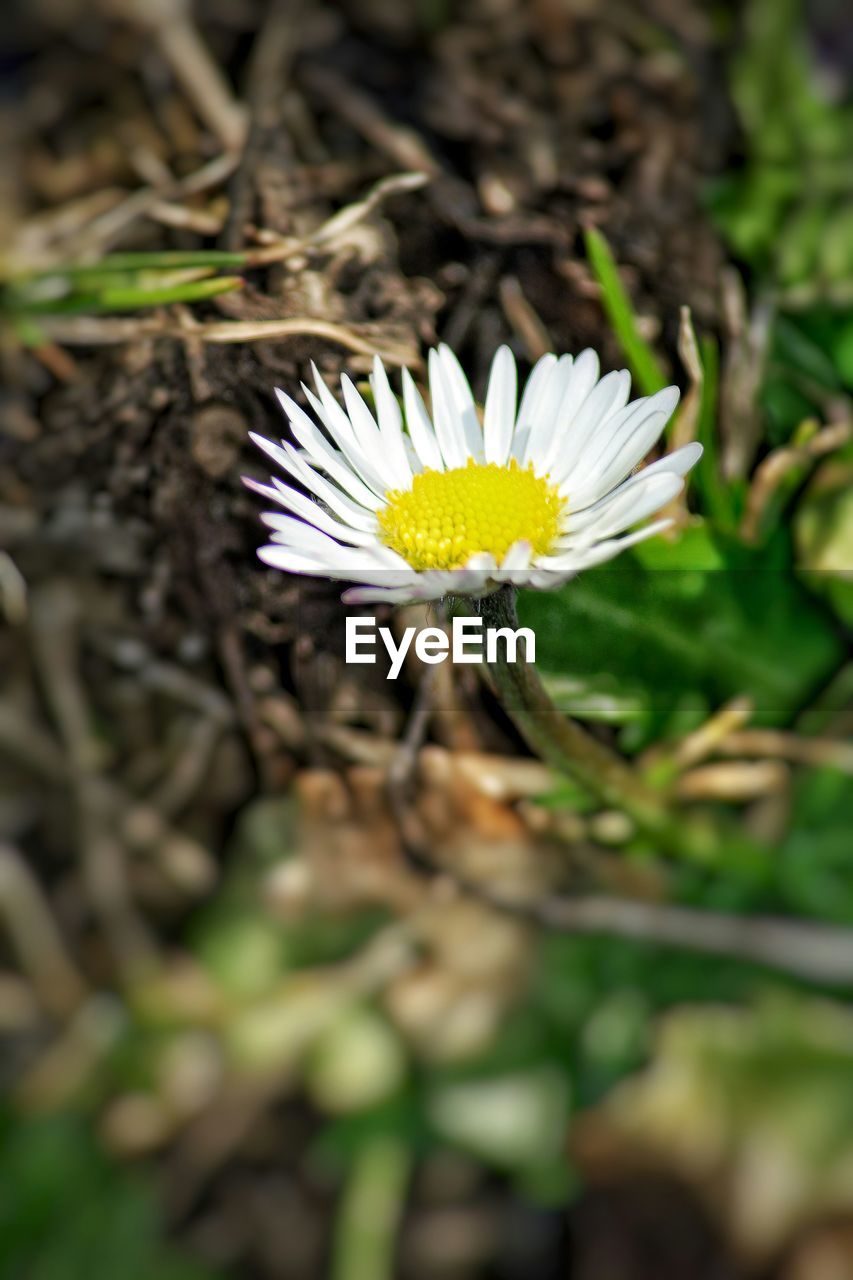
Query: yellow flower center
{"points": [[448, 516]]}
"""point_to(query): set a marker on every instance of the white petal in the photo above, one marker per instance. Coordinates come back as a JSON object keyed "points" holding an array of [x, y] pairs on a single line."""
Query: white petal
{"points": [[288, 561], [518, 556], [548, 579], [356, 434], [421, 587], [570, 426], [301, 536], [542, 429], [419, 425], [374, 564], [382, 595], [499, 415], [351, 512], [415, 465], [290, 460], [582, 384], [390, 425], [622, 508], [481, 560], [534, 386], [600, 552], [671, 464], [292, 411], [313, 513], [278, 452], [282, 527], [370, 470], [680, 461], [366, 431], [265, 490], [448, 427], [462, 399], [528, 409], [664, 478], [304, 429], [472, 580], [327, 408], [364, 485], [633, 433], [578, 434]]}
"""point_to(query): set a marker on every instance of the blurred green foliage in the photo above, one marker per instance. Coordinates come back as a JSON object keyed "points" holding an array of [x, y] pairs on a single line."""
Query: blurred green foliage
{"points": [[755, 1097], [641, 357], [788, 211], [69, 1213], [652, 647], [117, 282], [670, 643], [657, 642]]}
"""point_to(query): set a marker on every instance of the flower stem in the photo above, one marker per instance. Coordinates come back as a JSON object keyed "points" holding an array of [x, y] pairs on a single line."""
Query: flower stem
{"points": [[565, 745], [370, 1212]]}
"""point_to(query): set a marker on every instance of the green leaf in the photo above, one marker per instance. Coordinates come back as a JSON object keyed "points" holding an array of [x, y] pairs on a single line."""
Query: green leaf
{"points": [[133, 262], [793, 347], [814, 867], [823, 534], [68, 1213], [640, 356], [685, 626], [131, 298], [716, 496], [788, 211]]}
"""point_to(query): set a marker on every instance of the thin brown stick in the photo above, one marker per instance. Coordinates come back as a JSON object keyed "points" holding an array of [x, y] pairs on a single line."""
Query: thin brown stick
{"points": [[780, 463], [267, 83], [194, 67], [403, 145], [55, 629], [525, 322], [812, 952], [743, 371], [819, 752], [13, 591], [100, 331], [35, 937], [816, 952], [686, 425], [96, 236], [340, 222], [698, 745], [569, 748]]}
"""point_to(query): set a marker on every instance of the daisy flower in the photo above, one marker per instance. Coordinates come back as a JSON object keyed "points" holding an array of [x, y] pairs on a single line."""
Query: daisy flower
{"points": [[412, 505]]}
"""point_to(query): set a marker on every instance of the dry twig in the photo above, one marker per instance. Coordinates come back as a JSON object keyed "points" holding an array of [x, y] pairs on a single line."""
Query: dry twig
{"points": [[783, 462], [524, 320], [103, 331], [35, 937]]}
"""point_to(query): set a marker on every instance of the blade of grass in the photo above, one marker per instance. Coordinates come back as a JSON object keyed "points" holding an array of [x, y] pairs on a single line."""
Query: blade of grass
{"points": [[27, 332], [370, 1211], [50, 290], [167, 261], [132, 299], [715, 492], [640, 356]]}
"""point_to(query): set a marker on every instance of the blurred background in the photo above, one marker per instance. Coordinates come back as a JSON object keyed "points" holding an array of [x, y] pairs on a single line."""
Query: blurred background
{"points": [[245, 1034]]}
